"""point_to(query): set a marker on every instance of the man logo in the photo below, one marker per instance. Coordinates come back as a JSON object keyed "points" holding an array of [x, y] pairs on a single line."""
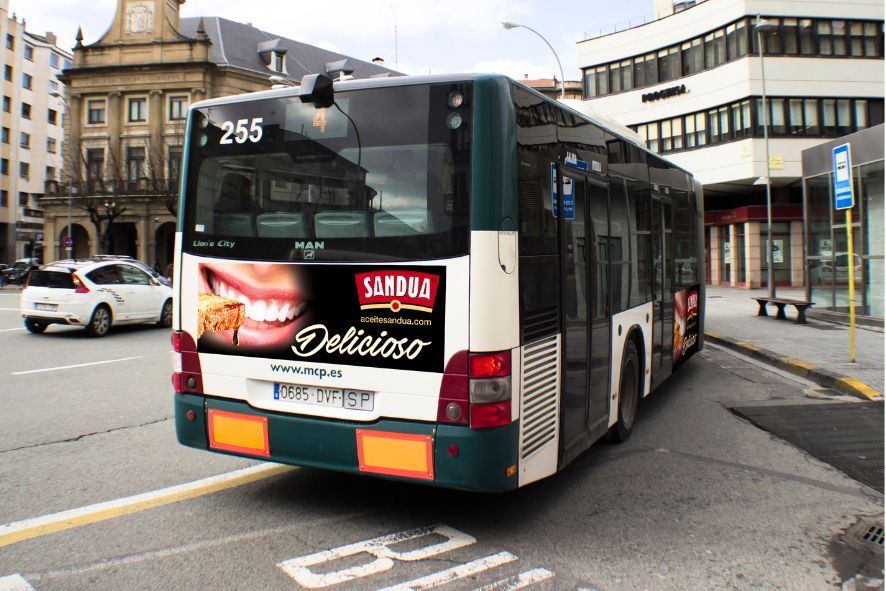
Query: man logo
{"points": [[300, 245]]}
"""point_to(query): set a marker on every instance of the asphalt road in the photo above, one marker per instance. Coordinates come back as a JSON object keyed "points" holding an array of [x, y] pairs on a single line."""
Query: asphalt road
{"points": [[696, 499]]}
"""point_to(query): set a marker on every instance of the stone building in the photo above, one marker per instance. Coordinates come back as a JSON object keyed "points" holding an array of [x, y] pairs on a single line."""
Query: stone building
{"points": [[30, 132], [128, 97]]}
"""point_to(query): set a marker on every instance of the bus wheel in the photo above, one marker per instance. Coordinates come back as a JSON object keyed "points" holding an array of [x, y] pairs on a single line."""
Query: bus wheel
{"points": [[628, 393]]}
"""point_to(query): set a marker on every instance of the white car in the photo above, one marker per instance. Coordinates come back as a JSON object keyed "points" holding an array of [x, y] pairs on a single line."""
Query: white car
{"points": [[94, 294]]}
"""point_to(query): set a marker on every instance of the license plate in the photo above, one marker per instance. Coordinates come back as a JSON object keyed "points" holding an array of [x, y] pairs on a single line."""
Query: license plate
{"points": [[47, 307], [320, 396]]}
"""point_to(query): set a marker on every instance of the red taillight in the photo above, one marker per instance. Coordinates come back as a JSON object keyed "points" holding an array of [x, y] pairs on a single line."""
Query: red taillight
{"points": [[490, 365], [496, 414], [79, 286], [177, 382], [176, 339]]}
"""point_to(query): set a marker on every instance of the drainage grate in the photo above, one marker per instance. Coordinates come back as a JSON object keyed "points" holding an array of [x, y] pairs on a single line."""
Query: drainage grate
{"points": [[874, 535], [848, 436]]}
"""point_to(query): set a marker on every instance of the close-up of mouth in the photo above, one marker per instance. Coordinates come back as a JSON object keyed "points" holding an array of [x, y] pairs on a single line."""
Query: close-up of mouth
{"points": [[273, 313]]}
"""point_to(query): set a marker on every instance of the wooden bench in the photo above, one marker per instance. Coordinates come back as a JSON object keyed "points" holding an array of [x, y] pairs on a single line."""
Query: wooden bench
{"points": [[780, 303]]}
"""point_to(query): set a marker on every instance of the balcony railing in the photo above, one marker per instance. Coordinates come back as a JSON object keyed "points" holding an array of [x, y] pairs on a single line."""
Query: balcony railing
{"points": [[142, 186]]}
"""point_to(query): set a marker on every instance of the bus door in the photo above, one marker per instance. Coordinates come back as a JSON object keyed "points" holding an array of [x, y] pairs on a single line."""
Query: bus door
{"points": [[662, 290], [584, 404]]}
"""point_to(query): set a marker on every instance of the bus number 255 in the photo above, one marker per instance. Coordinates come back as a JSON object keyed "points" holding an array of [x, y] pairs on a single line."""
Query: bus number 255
{"points": [[244, 130]]}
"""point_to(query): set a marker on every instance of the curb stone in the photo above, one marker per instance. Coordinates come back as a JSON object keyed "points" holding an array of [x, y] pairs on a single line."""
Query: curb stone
{"points": [[798, 367]]}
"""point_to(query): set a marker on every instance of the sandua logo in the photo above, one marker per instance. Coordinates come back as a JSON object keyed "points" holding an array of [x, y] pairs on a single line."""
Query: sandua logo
{"points": [[397, 290], [393, 290]]}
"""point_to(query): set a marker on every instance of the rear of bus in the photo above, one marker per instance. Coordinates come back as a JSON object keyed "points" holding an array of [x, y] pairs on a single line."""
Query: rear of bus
{"points": [[330, 308]]}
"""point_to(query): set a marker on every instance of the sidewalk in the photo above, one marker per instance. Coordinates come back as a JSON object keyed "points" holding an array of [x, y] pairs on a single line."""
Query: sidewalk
{"points": [[818, 351]]}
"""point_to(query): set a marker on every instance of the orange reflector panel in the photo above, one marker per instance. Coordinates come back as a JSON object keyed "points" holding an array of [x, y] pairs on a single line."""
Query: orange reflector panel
{"points": [[396, 454], [243, 434]]}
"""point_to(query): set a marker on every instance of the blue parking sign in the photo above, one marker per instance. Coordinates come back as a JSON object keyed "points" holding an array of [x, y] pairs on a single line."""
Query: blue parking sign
{"points": [[844, 196]]}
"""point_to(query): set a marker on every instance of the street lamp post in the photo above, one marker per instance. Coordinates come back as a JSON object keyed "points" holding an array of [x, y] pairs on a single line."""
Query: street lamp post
{"points": [[508, 25], [764, 25]]}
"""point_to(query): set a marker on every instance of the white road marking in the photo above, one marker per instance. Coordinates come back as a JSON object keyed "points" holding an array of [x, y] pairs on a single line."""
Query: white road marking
{"points": [[456, 572], [14, 583], [520, 581], [380, 547], [21, 373], [9, 329]]}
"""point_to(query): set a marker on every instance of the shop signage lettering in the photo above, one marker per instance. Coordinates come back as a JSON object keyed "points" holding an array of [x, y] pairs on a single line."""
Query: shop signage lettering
{"points": [[664, 93]]}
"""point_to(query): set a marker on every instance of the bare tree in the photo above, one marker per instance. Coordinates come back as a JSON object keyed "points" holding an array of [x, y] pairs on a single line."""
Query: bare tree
{"points": [[100, 198]]}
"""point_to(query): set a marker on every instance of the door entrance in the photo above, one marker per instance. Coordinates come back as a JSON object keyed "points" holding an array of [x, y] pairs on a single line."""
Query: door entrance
{"points": [[584, 262]]}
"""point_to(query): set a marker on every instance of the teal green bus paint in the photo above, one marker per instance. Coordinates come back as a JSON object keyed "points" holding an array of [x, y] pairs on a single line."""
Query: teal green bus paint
{"points": [[483, 459], [493, 154], [482, 462], [190, 433]]}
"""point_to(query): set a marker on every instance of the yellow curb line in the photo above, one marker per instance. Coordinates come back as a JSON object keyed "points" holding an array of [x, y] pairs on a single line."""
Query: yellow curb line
{"points": [[19, 531], [861, 387], [799, 363]]}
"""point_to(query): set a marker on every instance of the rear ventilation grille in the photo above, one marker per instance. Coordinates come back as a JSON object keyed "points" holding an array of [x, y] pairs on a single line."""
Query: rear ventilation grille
{"points": [[540, 323], [541, 382]]}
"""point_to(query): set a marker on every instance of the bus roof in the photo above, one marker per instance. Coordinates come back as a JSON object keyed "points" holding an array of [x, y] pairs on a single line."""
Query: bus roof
{"points": [[391, 81]]}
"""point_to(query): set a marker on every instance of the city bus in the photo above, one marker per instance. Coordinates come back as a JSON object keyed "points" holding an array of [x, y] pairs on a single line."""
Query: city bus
{"points": [[447, 280]]}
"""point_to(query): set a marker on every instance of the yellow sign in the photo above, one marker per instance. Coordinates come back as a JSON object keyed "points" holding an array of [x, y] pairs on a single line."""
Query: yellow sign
{"points": [[776, 162]]}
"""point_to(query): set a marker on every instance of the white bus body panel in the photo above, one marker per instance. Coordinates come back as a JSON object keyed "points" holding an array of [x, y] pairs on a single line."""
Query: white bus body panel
{"points": [[639, 317], [495, 297]]}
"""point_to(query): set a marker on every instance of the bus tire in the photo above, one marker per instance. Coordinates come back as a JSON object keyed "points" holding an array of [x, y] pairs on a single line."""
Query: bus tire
{"points": [[628, 393]]}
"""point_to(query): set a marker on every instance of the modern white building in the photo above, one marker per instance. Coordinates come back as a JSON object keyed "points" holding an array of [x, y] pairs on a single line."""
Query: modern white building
{"points": [[31, 132], [691, 84]]}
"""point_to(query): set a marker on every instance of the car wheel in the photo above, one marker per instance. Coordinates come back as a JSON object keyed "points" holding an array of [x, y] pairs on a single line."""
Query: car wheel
{"points": [[165, 315], [100, 322], [628, 393], [35, 326]]}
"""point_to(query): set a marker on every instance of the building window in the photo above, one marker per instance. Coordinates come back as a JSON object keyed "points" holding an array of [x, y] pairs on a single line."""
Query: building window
{"points": [[53, 86], [737, 40], [789, 33], [135, 163], [29, 52], [25, 140], [4, 166], [95, 164], [95, 112], [4, 135], [22, 199], [10, 42], [51, 145], [4, 198], [26, 110], [27, 81], [174, 165], [873, 39], [669, 64], [178, 108], [7, 73], [50, 173], [278, 62], [52, 117], [138, 109], [693, 57], [53, 60], [24, 170], [7, 104]]}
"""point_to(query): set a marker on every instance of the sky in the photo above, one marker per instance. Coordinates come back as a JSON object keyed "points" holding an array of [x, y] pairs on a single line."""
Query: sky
{"points": [[432, 36]]}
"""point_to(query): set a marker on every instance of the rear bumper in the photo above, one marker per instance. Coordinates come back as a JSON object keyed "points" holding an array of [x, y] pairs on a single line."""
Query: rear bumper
{"points": [[483, 460], [57, 317]]}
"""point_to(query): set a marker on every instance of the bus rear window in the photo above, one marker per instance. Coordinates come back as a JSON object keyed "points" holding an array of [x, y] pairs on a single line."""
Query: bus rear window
{"points": [[380, 175]]}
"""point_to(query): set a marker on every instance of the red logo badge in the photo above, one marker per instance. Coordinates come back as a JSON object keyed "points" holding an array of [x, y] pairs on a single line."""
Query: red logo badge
{"points": [[397, 290]]}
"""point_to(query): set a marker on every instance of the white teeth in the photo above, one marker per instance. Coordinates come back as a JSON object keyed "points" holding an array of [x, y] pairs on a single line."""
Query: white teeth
{"points": [[221, 290], [299, 310], [257, 310], [283, 312], [271, 313]]}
